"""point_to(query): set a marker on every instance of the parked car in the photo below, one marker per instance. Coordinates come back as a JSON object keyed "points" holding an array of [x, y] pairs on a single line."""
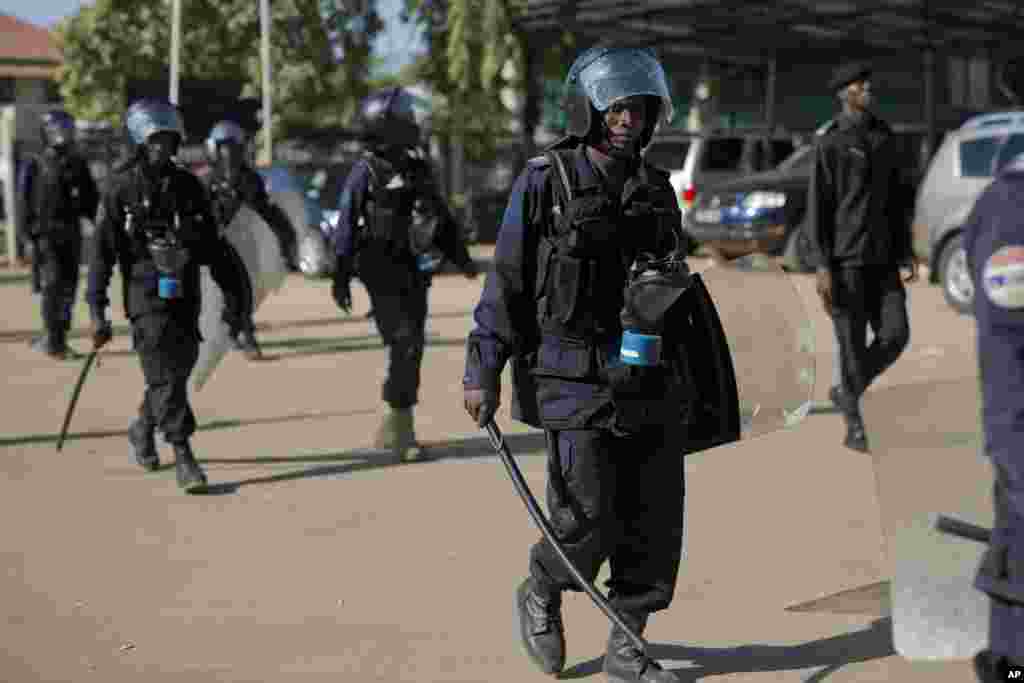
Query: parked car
{"points": [[766, 212], [697, 161], [961, 169]]}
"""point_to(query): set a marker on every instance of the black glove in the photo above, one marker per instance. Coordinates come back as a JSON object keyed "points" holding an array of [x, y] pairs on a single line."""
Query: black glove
{"points": [[341, 291], [102, 331], [481, 404]]}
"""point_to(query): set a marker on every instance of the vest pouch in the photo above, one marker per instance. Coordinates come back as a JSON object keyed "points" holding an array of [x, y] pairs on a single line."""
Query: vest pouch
{"points": [[564, 357], [170, 260], [567, 283]]}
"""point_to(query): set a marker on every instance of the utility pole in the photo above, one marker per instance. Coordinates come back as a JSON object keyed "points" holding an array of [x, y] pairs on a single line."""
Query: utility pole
{"points": [[175, 49], [268, 147]]}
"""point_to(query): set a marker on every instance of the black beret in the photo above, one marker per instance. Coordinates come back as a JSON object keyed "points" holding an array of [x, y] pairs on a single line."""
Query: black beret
{"points": [[846, 74]]}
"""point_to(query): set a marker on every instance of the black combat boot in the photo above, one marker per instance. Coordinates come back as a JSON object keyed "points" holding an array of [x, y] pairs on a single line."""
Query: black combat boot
{"points": [[191, 477], [856, 437], [144, 446], [625, 663], [540, 625], [53, 344], [247, 345]]}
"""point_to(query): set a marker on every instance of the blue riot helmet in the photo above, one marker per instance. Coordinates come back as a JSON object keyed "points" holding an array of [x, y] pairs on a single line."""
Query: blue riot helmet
{"points": [[390, 117], [150, 116], [603, 75], [57, 128], [224, 132]]}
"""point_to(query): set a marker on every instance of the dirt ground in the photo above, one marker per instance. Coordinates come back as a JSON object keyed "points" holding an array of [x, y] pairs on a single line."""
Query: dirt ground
{"points": [[317, 558]]}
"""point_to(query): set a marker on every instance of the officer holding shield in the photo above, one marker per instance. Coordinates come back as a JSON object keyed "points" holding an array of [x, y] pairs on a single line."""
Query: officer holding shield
{"points": [[392, 231], [156, 224], [231, 182], [57, 191], [994, 240], [581, 222]]}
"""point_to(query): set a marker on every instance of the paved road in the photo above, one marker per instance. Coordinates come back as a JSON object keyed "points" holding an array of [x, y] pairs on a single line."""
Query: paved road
{"points": [[319, 559]]}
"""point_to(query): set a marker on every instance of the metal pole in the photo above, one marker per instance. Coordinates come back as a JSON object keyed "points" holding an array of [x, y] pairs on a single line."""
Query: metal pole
{"points": [[175, 49], [268, 148]]}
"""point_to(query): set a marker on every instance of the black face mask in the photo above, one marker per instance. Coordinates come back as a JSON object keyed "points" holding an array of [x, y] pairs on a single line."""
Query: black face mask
{"points": [[158, 152]]}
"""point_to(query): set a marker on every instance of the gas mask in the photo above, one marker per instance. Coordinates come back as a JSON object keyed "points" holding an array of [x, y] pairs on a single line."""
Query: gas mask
{"points": [[653, 285]]}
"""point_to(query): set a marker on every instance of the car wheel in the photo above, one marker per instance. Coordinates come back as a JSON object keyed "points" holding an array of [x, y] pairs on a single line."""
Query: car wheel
{"points": [[795, 257], [955, 276]]}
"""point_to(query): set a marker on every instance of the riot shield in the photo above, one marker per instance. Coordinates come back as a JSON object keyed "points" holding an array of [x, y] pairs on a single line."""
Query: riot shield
{"points": [[260, 252], [926, 446], [770, 340]]}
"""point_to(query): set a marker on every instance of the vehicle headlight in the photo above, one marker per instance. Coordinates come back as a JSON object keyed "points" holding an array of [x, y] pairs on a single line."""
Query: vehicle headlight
{"points": [[763, 200]]}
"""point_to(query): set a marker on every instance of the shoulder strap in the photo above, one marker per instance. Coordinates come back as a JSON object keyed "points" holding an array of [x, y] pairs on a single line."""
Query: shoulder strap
{"points": [[563, 188]]}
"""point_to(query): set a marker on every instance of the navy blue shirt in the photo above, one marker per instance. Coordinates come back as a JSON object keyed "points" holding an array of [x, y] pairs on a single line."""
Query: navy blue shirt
{"points": [[348, 229], [506, 316], [994, 239]]}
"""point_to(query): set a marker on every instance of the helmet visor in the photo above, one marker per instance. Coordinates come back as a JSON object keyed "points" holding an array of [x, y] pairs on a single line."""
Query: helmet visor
{"points": [[145, 121], [617, 74]]}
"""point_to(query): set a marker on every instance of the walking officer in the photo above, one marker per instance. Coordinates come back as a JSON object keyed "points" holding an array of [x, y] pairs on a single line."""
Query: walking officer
{"points": [[231, 182], [391, 219], [57, 191], [555, 307], [156, 225], [857, 211], [994, 240]]}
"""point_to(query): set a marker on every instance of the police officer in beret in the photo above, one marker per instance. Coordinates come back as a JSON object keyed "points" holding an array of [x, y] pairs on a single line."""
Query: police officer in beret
{"points": [[157, 226], [857, 206], [994, 240]]}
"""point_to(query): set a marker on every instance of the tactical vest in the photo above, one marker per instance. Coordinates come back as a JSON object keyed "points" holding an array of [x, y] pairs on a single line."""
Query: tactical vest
{"points": [[401, 215], [57, 191], [584, 260]]}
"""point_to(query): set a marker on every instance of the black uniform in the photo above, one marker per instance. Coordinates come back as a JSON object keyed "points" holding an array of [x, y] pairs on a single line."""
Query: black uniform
{"points": [[57, 191], [857, 206], [165, 332], [612, 494], [378, 239]]}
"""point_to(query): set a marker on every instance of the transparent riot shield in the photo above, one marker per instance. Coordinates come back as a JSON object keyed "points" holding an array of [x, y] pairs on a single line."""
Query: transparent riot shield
{"points": [[926, 446], [771, 341], [260, 252]]}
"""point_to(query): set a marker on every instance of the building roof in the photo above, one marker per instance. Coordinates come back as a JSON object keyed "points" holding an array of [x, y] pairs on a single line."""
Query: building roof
{"points": [[752, 29], [25, 43]]}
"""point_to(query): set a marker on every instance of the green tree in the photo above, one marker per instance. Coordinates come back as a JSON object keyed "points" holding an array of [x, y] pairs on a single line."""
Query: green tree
{"points": [[111, 42]]}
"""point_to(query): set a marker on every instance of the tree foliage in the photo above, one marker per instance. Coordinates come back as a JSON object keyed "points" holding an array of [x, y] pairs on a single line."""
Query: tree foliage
{"points": [[111, 42]]}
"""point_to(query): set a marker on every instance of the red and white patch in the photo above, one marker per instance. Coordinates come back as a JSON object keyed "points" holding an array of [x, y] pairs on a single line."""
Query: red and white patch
{"points": [[1003, 277]]}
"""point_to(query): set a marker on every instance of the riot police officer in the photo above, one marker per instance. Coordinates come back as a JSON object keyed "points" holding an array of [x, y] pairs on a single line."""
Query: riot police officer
{"points": [[231, 182], [57, 191], [857, 208], [994, 240], [554, 305], [392, 226], [156, 224]]}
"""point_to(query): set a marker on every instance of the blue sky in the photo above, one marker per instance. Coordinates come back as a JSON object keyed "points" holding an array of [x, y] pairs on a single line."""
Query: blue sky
{"points": [[393, 45]]}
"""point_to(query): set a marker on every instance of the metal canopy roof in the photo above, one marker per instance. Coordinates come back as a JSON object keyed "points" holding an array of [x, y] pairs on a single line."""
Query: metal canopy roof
{"points": [[749, 30]]}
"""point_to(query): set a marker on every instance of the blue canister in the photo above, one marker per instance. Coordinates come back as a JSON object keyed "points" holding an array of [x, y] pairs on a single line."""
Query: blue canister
{"points": [[428, 262], [640, 349], [169, 287]]}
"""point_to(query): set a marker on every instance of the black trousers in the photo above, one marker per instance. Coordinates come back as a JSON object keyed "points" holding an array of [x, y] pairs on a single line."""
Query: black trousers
{"points": [[1001, 573], [862, 296], [400, 313], [168, 348], [58, 281], [619, 499]]}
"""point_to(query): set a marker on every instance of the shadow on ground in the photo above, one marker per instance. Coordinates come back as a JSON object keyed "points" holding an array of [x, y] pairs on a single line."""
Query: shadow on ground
{"points": [[10, 336], [831, 654], [212, 425], [347, 462]]}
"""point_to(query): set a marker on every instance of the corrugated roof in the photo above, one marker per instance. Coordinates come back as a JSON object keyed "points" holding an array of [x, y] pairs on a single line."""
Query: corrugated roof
{"points": [[21, 40]]}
